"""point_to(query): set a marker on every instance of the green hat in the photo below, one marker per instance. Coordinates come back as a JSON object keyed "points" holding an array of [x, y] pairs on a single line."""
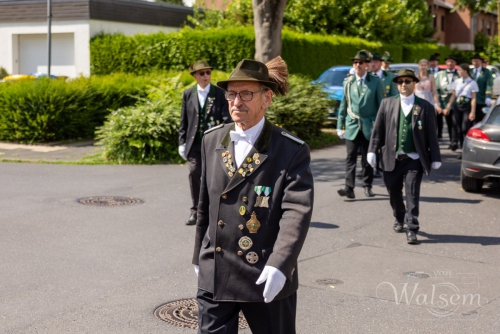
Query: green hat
{"points": [[376, 56], [452, 57], [199, 65], [250, 70], [362, 56], [477, 56], [387, 57], [406, 73], [434, 56]]}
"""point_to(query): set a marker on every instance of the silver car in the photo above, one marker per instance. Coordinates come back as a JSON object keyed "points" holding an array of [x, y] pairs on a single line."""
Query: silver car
{"points": [[481, 153]]}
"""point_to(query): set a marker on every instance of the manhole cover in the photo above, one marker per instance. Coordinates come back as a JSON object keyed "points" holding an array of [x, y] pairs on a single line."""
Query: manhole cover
{"points": [[329, 281], [109, 201], [184, 313], [412, 274]]}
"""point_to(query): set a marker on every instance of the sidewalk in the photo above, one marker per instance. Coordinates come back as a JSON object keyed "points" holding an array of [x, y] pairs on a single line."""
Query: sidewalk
{"points": [[66, 152]]}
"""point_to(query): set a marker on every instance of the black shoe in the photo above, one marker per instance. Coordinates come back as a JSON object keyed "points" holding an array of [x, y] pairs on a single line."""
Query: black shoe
{"points": [[369, 192], [411, 237], [453, 147], [398, 227], [191, 220], [377, 175], [346, 192]]}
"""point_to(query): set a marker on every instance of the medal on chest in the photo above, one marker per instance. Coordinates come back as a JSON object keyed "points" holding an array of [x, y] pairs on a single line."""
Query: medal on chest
{"points": [[262, 201]]}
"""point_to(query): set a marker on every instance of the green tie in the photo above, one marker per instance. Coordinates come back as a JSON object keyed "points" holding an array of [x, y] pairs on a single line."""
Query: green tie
{"points": [[359, 86]]}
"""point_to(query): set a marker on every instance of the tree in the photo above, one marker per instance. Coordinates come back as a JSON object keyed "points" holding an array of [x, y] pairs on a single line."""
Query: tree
{"points": [[475, 6], [268, 23]]}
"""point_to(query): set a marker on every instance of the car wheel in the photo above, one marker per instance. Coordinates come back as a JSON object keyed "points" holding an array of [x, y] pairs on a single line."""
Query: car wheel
{"points": [[470, 184]]}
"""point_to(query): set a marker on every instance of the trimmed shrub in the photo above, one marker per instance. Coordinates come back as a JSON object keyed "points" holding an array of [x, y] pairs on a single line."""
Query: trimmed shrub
{"points": [[412, 53], [45, 110]]}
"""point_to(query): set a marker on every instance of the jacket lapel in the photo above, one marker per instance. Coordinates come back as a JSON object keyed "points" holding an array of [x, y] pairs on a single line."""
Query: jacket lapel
{"points": [[416, 110], [210, 97], [226, 146], [195, 104], [261, 146], [396, 106]]}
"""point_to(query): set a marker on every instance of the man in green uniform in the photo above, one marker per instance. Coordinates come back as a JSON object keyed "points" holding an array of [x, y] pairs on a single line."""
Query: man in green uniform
{"points": [[358, 110], [444, 81], [484, 81], [386, 61], [376, 69]]}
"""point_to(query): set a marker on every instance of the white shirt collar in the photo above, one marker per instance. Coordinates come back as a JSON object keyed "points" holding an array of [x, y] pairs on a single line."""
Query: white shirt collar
{"points": [[253, 132], [362, 78], [205, 90], [410, 99], [380, 73]]}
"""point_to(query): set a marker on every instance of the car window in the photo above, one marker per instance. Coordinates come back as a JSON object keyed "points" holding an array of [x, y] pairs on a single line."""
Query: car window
{"points": [[333, 78], [494, 118]]}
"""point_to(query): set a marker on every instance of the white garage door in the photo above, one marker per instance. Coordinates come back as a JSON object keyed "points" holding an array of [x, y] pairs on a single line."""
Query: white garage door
{"points": [[33, 54]]}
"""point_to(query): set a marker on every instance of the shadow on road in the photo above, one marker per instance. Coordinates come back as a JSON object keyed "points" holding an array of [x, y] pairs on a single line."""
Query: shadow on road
{"points": [[323, 225], [459, 239], [328, 170], [449, 200]]}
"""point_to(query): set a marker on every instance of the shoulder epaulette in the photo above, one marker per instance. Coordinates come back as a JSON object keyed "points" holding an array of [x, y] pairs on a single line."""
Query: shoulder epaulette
{"points": [[214, 128], [295, 139]]}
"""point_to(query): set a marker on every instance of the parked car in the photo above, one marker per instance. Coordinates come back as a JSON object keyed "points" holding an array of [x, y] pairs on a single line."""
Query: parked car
{"points": [[481, 153], [394, 68], [332, 83]]}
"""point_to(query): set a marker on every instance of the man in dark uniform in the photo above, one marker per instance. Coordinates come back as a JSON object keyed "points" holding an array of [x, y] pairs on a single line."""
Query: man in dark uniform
{"points": [[405, 130], [254, 212], [386, 61], [434, 64], [484, 80], [444, 82], [203, 107], [357, 112]]}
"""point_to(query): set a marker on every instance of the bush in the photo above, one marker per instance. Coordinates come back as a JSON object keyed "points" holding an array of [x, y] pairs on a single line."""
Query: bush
{"points": [[412, 53], [45, 110], [149, 131], [481, 41], [3, 73]]}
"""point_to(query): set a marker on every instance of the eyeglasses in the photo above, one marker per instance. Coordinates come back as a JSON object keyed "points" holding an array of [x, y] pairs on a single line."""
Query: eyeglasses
{"points": [[244, 95], [358, 62], [202, 73], [406, 81]]}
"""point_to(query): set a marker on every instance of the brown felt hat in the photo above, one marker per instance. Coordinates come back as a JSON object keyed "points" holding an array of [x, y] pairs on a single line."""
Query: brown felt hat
{"points": [[406, 73], [362, 56], [199, 65], [250, 70]]}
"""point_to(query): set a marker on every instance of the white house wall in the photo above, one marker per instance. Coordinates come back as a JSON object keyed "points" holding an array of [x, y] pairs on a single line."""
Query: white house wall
{"points": [[82, 30]]}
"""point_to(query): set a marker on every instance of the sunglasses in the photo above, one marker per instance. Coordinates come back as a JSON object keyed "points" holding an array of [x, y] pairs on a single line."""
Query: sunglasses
{"points": [[202, 73], [358, 62], [406, 81]]}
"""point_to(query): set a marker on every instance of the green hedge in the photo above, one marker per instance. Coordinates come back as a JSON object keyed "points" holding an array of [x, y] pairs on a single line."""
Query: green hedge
{"points": [[305, 54], [44, 110]]}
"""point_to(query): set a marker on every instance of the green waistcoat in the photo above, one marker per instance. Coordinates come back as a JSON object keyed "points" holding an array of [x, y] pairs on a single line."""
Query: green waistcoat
{"points": [[405, 133]]}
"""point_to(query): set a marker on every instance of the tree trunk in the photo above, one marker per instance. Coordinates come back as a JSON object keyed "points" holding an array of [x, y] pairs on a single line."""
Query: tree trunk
{"points": [[268, 22]]}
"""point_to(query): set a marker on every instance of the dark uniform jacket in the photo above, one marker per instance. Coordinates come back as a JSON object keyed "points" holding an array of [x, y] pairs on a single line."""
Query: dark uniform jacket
{"points": [[385, 132], [284, 167], [217, 113], [485, 84]]}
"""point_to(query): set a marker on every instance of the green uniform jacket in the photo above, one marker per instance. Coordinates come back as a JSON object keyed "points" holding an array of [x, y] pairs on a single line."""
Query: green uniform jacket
{"points": [[364, 106], [389, 85], [443, 87], [485, 84]]}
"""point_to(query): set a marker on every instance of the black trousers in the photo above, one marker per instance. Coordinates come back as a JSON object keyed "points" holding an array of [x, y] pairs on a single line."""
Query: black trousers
{"points": [[462, 123], [449, 124], [479, 113], [194, 165], [352, 146], [276, 317], [407, 172]]}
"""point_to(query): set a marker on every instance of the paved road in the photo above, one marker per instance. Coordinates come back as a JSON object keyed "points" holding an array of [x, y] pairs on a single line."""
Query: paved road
{"points": [[70, 268]]}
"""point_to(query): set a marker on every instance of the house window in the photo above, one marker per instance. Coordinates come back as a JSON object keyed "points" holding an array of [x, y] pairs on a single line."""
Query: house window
{"points": [[442, 23]]}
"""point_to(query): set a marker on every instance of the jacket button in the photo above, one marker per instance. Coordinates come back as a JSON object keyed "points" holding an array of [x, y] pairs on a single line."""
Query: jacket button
{"points": [[241, 227], [220, 223], [244, 199], [240, 253], [224, 196], [218, 249]]}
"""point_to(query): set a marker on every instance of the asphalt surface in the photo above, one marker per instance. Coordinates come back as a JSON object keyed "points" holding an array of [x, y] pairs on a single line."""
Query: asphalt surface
{"points": [[71, 268]]}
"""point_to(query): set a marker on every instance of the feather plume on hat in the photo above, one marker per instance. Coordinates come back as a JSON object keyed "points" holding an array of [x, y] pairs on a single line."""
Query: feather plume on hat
{"points": [[278, 73]]}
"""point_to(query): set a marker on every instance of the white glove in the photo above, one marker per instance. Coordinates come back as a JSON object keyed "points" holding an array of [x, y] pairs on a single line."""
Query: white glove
{"points": [[434, 165], [275, 282], [371, 158], [488, 102], [196, 269], [340, 133], [182, 151]]}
